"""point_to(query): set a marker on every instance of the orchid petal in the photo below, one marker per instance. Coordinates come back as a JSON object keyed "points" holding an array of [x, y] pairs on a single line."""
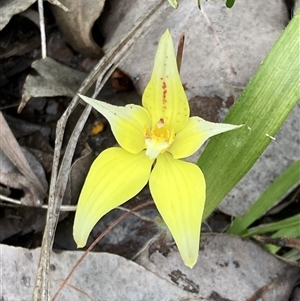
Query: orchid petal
{"points": [[164, 96], [115, 176], [178, 190], [127, 123], [194, 134]]}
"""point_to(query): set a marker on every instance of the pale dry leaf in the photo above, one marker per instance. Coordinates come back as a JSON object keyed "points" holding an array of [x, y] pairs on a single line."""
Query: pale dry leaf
{"points": [[31, 15], [11, 177], [76, 24], [59, 4], [11, 149], [228, 266], [53, 79], [9, 8], [97, 278]]}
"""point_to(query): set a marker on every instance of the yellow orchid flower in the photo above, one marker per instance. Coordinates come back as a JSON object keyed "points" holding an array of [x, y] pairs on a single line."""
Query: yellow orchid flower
{"points": [[152, 138]]}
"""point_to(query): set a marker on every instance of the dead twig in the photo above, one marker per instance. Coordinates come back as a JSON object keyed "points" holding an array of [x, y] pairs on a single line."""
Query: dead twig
{"points": [[16, 203], [289, 242], [42, 28]]}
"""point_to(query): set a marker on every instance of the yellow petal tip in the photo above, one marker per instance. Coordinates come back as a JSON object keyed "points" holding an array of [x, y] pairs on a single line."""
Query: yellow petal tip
{"points": [[79, 243], [190, 262], [190, 265], [80, 246]]}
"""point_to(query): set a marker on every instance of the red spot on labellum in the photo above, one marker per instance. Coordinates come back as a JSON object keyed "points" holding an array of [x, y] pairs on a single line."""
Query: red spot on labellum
{"points": [[164, 87]]}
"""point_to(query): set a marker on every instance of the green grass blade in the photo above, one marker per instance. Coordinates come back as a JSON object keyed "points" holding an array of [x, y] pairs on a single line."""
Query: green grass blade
{"points": [[290, 222], [263, 107], [278, 189], [292, 255]]}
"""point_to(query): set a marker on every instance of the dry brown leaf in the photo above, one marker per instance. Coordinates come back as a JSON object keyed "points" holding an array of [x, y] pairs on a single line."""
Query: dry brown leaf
{"points": [[120, 81], [13, 153], [76, 25], [54, 79]]}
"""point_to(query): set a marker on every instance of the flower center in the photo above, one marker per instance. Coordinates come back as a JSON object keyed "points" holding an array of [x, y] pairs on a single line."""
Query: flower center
{"points": [[158, 139]]}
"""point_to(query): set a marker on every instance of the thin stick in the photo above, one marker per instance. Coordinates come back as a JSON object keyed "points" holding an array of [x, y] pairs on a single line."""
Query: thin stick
{"points": [[290, 242], [111, 226], [17, 203], [42, 28]]}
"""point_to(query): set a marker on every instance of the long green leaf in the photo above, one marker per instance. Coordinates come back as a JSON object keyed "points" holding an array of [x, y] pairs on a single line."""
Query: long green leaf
{"points": [[292, 255], [263, 107], [290, 222], [280, 187]]}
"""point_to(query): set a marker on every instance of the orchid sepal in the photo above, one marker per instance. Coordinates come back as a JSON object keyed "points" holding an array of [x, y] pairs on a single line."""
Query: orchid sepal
{"points": [[114, 177]]}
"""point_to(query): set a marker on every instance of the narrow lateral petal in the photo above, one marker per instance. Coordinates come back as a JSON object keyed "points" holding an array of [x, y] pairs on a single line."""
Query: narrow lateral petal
{"points": [[164, 96], [194, 134], [115, 176], [178, 190], [127, 123]]}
